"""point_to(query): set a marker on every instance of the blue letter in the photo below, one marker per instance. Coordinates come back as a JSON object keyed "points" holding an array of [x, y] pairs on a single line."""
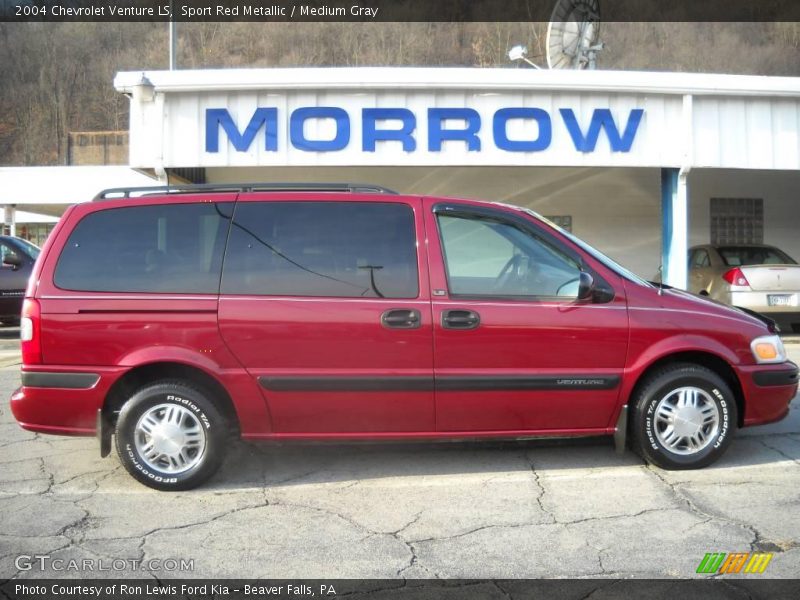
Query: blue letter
{"points": [[370, 135], [436, 135], [241, 141], [298, 136], [602, 119], [501, 118]]}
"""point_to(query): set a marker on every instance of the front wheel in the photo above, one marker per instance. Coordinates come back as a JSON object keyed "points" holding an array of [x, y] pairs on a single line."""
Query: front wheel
{"points": [[684, 417], [170, 436]]}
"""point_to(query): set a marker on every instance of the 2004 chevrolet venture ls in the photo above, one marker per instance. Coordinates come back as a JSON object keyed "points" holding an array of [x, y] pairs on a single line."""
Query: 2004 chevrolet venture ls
{"points": [[175, 319]]}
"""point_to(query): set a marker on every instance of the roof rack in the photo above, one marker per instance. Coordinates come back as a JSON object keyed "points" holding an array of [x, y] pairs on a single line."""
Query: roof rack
{"points": [[125, 192]]}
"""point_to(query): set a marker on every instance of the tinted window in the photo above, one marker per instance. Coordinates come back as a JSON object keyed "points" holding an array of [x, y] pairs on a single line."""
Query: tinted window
{"points": [[344, 249], [489, 257], [736, 256], [5, 250], [30, 249], [167, 248], [700, 259]]}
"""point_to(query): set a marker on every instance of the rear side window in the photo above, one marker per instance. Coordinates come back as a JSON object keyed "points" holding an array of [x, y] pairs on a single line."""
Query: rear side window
{"points": [[173, 248], [339, 249], [700, 259]]}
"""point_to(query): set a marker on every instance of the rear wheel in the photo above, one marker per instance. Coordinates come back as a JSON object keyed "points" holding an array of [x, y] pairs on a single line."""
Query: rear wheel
{"points": [[170, 436], [684, 417]]}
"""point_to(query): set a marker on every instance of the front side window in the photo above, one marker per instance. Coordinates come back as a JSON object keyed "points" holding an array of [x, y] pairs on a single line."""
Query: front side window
{"points": [[337, 249], [171, 248], [28, 248], [487, 257], [5, 250]]}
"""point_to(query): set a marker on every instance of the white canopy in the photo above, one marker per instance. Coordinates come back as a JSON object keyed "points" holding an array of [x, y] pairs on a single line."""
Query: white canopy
{"points": [[48, 190]]}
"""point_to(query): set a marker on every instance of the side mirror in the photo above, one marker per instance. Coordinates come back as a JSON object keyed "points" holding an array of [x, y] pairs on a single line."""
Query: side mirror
{"points": [[585, 286], [12, 259]]}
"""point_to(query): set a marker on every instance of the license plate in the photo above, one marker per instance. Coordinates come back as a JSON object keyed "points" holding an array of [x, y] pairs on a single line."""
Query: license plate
{"points": [[781, 300]]}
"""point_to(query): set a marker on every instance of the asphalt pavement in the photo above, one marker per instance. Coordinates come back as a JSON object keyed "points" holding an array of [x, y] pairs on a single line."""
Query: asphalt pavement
{"points": [[454, 510]]}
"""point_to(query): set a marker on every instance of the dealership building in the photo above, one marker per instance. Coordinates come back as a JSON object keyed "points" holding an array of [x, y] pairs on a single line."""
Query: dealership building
{"points": [[641, 165]]}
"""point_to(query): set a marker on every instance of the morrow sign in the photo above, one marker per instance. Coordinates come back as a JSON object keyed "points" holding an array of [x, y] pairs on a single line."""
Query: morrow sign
{"points": [[399, 125]]}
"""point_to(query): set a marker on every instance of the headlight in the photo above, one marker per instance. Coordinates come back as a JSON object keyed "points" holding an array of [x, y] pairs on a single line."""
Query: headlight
{"points": [[768, 349]]}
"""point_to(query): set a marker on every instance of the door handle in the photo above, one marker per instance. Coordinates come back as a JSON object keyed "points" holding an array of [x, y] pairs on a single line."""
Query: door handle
{"points": [[460, 319], [401, 318]]}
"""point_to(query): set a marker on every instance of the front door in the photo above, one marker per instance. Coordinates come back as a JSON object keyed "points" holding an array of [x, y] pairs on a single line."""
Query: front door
{"points": [[514, 349], [325, 303]]}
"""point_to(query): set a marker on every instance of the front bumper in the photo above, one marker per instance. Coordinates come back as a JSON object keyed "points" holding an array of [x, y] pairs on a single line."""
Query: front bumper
{"points": [[768, 390], [63, 402]]}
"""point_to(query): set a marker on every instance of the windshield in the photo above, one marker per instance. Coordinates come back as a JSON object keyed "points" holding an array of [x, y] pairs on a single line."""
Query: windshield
{"points": [[31, 250], [608, 262], [741, 256]]}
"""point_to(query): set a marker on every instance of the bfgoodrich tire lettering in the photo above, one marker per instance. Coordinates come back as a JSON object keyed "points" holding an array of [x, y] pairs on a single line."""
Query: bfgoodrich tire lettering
{"points": [[684, 417], [170, 436]]}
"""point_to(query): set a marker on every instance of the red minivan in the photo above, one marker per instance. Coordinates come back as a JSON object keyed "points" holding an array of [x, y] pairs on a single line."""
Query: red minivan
{"points": [[175, 319]]}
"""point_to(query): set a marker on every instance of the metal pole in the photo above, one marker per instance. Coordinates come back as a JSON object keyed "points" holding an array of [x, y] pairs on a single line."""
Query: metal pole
{"points": [[173, 40], [10, 218]]}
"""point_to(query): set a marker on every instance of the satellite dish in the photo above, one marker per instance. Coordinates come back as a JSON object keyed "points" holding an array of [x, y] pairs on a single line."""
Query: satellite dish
{"points": [[573, 34]]}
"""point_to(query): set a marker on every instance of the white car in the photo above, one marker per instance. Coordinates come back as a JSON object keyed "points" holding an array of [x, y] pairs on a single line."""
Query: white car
{"points": [[757, 277]]}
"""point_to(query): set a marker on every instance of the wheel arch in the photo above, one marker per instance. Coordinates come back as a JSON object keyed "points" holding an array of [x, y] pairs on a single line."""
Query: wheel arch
{"points": [[708, 360], [143, 374]]}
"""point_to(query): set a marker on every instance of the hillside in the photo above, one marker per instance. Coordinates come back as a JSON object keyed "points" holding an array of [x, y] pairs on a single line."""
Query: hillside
{"points": [[56, 77]]}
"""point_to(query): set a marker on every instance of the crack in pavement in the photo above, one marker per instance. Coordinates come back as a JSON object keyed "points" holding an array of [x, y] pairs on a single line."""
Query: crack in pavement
{"points": [[19, 460], [5, 595], [22, 441], [604, 572], [503, 591], [556, 521], [144, 537], [699, 512], [593, 591], [410, 545], [749, 435], [74, 477], [610, 517], [537, 481], [269, 503], [730, 584], [289, 479], [412, 561], [477, 529], [331, 512], [56, 549], [48, 476], [779, 451]]}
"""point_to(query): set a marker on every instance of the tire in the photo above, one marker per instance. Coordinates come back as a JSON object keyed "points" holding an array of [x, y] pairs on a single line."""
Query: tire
{"points": [[703, 414], [170, 436]]}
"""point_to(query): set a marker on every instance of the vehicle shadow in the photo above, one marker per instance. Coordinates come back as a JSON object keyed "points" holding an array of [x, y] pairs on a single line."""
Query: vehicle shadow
{"points": [[272, 464]]}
